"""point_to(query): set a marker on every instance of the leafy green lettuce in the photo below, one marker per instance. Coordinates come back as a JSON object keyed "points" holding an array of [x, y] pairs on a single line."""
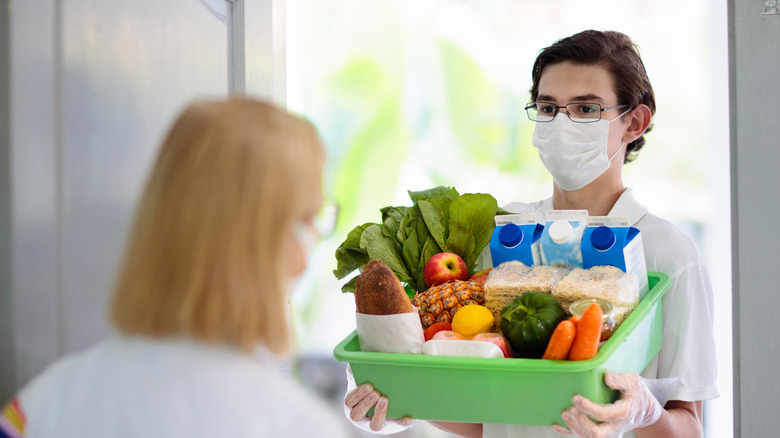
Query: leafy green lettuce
{"points": [[439, 220]]}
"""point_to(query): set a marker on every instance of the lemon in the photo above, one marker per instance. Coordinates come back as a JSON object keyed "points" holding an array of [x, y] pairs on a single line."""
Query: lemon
{"points": [[472, 319]]}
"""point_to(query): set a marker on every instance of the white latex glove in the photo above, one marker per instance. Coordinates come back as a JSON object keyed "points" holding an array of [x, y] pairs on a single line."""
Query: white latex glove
{"points": [[360, 400], [637, 407]]}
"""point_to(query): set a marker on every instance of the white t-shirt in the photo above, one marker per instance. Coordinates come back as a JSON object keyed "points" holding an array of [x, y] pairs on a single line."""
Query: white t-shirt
{"points": [[137, 387], [688, 349]]}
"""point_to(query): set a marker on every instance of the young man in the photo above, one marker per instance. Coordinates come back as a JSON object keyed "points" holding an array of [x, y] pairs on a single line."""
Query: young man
{"points": [[592, 103]]}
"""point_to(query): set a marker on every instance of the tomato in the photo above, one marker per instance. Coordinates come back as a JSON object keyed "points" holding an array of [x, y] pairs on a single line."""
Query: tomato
{"points": [[435, 328]]}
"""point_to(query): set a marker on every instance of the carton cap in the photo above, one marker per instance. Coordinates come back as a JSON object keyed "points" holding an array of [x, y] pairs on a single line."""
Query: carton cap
{"points": [[510, 235], [602, 238], [561, 231]]}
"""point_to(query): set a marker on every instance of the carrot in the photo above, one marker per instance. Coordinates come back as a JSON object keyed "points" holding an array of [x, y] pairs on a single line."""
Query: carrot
{"points": [[575, 319], [586, 341], [560, 341]]}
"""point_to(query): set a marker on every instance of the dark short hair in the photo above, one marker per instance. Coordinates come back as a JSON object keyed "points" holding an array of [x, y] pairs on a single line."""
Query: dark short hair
{"points": [[619, 55]]}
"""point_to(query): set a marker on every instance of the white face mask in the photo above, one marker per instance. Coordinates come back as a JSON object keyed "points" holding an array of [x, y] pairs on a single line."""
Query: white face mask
{"points": [[574, 153], [306, 236]]}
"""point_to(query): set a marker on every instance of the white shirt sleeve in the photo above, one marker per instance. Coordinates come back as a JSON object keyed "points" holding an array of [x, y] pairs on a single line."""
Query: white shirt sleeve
{"points": [[688, 350]]}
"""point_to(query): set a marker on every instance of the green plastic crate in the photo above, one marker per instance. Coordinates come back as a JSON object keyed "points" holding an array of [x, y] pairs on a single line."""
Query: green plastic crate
{"points": [[507, 391]]}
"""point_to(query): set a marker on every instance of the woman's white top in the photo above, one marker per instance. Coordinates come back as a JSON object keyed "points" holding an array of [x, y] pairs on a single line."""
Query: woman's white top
{"points": [[137, 387]]}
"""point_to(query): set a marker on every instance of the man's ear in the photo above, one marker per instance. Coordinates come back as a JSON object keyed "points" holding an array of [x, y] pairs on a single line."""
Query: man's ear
{"points": [[640, 119]]}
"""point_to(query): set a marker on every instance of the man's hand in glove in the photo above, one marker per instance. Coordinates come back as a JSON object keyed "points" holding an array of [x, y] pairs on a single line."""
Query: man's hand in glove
{"points": [[362, 399], [636, 408]]}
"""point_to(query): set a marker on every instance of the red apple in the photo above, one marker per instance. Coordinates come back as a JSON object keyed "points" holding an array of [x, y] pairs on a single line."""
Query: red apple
{"points": [[444, 267], [481, 276], [448, 335], [495, 338]]}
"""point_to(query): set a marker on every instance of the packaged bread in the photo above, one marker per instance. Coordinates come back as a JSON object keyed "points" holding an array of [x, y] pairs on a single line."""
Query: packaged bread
{"points": [[386, 320], [606, 282], [511, 279]]}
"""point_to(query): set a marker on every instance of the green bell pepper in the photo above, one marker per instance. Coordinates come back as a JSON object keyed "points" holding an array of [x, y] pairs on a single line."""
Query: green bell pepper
{"points": [[528, 323]]}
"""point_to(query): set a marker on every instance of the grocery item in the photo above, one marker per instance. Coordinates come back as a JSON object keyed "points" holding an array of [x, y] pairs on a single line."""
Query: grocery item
{"points": [[449, 343], [528, 323], [609, 240], [431, 331], [472, 319], [516, 237], [385, 319], [508, 391], [440, 220], [606, 282], [481, 276], [588, 334], [560, 341], [495, 338], [444, 267], [511, 279], [439, 303], [379, 292], [577, 308], [562, 237], [462, 347], [449, 335]]}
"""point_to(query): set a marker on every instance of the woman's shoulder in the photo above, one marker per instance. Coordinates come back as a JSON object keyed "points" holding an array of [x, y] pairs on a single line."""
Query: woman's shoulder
{"points": [[55, 379], [237, 389]]}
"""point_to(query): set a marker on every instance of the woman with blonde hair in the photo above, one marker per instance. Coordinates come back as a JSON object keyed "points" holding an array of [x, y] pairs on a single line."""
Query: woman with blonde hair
{"points": [[200, 304]]}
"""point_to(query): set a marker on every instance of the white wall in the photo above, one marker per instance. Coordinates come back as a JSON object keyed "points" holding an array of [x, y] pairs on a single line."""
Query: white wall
{"points": [[755, 180]]}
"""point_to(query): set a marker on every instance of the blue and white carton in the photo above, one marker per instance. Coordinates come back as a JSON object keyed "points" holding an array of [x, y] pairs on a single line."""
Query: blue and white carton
{"points": [[562, 237], [610, 240], [516, 237]]}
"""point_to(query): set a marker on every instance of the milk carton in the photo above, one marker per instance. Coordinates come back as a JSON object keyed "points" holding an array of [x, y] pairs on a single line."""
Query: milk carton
{"points": [[516, 237], [612, 241], [562, 237]]}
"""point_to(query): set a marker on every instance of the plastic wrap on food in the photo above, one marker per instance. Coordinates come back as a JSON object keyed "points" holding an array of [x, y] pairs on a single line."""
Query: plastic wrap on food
{"points": [[511, 279], [544, 278], [606, 282]]}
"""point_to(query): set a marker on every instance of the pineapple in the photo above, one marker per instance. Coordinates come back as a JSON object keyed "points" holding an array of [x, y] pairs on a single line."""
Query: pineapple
{"points": [[439, 303]]}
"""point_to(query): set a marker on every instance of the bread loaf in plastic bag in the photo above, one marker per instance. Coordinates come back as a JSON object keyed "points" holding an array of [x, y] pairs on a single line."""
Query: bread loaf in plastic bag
{"points": [[511, 279], [606, 282]]}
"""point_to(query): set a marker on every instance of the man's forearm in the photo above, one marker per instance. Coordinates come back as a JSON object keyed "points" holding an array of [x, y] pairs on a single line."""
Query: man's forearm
{"points": [[680, 420], [466, 430]]}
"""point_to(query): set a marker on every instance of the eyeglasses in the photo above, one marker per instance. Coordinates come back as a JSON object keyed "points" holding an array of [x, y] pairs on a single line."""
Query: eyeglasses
{"points": [[579, 112]]}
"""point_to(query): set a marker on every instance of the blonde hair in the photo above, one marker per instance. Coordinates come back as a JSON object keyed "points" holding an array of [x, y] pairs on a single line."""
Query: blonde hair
{"points": [[207, 255]]}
